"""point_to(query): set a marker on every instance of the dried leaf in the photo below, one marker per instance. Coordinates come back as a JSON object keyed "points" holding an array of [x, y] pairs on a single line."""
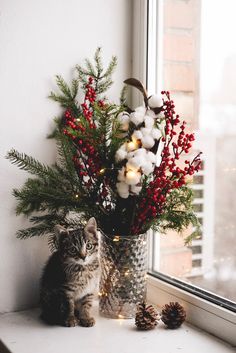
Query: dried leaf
{"points": [[137, 84]]}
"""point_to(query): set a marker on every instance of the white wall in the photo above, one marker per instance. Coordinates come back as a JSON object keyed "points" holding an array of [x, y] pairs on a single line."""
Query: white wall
{"points": [[39, 39]]}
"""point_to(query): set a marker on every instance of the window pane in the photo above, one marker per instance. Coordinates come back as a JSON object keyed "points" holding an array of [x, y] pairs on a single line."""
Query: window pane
{"points": [[198, 66]]}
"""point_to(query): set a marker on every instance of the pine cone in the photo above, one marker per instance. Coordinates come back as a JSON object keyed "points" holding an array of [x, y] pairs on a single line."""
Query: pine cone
{"points": [[146, 317], [173, 315]]}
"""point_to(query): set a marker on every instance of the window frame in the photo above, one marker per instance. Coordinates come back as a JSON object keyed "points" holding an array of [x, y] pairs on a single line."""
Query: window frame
{"points": [[218, 319]]}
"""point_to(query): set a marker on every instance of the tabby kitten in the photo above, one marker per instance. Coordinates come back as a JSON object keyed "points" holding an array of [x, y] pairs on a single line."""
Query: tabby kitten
{"points": [[70, 277]]}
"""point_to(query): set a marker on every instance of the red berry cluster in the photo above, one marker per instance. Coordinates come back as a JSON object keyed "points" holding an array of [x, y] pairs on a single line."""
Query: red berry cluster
{"points": [[86, 159], [169, 175], [101, 104], [90, 93], [73, 123], [87, 106]]}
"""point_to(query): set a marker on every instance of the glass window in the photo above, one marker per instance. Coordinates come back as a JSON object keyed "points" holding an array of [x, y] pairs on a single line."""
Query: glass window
{"points": [[196, 60]]}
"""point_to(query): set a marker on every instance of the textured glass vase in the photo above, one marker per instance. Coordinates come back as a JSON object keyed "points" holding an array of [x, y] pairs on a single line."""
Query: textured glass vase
{"points": [[123, 274]]}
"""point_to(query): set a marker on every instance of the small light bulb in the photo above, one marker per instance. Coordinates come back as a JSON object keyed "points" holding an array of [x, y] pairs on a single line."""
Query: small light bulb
{"points": [[102, 171], [76, 196], [116, 238], [120, 316], [131, 146]]}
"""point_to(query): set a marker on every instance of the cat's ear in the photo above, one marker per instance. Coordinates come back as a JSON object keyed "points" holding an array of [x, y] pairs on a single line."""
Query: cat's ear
{"points": [[91, 227], [60, 230]]}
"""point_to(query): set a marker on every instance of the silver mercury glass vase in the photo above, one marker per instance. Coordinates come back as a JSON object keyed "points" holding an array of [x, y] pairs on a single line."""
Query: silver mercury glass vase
{"points": [[123, 274]]}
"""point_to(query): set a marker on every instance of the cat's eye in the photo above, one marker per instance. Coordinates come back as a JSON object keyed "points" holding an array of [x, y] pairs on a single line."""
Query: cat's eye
{"points": [[89, 246], [73, 251]]}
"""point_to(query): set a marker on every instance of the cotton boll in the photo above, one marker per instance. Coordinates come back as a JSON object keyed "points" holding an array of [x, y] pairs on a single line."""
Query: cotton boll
{"points": [[141, 152], [132, 177], [136, 118], [156, 134], [155, 101], [121, 153], [149, 121], [123, 190], [151, 113], [135, 162], [145, 131], [148, 141], [151, 157], [131, 154], [136, 189], [132, 164], [141, 110], [147, 168], [137, 135], [122, 187], [124, 119]]}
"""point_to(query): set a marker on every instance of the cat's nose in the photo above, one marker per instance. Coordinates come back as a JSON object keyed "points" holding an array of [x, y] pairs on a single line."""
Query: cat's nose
{"points": [[82, 255]]}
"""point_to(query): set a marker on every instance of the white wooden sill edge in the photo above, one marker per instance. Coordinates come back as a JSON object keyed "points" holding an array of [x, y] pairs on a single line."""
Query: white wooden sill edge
{"points": [[207, 316], [23, 332]]}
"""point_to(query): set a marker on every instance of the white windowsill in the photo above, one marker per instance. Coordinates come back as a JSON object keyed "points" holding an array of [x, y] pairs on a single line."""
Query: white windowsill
{"points": [[209, 317], [23, 332]]}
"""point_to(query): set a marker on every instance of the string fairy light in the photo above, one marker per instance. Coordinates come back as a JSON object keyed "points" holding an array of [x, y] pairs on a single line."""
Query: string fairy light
{"points": [[102, 171], [116, 238]]}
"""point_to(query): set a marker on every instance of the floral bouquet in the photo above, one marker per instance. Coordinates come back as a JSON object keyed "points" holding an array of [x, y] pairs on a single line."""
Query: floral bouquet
{"points": [[126, 167]]}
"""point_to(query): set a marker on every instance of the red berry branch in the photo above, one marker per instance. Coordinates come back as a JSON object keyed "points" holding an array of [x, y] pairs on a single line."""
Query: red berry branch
{"points": [[169, 175], [86, 160]]}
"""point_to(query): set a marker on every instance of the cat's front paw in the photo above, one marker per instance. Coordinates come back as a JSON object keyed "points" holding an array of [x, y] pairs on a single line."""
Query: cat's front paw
{"points": [[71, 322], [88, 322]]}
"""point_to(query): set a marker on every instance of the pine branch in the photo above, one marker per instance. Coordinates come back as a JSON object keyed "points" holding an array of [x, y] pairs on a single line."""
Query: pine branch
{"points": [[98, 62], [178, 214], [74, 88], [39, 230], [111, 67], [67, 98], [101, 78], [63, 86], [29, 164]]}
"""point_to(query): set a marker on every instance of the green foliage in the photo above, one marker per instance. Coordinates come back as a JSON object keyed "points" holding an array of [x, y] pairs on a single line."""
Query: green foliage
{"points": [[178, 214], [54, 190], [67, 95], [102, 78]]}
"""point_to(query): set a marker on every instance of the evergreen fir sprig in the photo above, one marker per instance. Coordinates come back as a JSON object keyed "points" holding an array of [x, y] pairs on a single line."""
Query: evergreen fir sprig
{"points": [[102, 78], [67, 98], [178, 214], [30, 164]]}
